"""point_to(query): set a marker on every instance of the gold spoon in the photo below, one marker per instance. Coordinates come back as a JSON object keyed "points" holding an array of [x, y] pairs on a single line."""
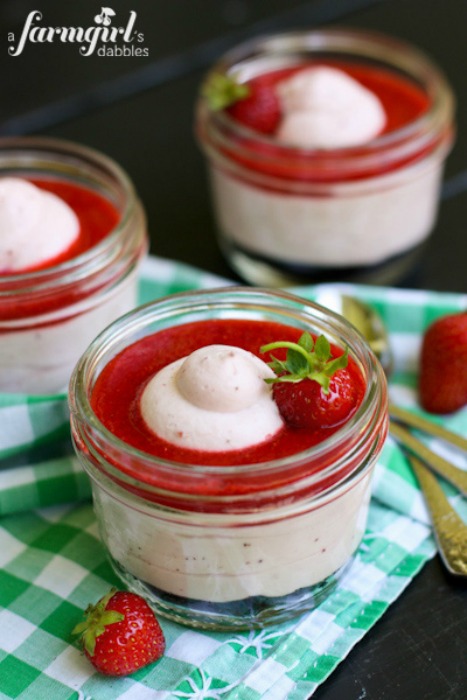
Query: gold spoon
{"points": [[449, 529], [457, 477], [416, 421]]}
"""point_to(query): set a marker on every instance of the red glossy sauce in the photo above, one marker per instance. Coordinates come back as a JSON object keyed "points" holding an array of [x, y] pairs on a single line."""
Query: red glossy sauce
{"points": [[115, 397], [404, 102]]}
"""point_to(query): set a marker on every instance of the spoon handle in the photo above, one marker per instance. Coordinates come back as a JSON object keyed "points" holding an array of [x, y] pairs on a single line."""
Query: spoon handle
{"points": [[427, 426], [449, 529], [457, 477]]}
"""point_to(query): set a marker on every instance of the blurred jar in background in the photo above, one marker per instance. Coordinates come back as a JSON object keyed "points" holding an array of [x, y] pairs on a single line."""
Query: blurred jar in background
{"points": [[311, 196]]}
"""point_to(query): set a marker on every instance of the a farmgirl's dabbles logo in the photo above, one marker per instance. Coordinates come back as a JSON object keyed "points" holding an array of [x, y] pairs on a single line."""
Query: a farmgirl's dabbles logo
{"points": [[101, 38]]}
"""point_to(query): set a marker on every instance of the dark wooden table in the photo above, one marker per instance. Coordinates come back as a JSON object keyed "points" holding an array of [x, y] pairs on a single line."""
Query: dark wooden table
{"points": [[139, 110]]}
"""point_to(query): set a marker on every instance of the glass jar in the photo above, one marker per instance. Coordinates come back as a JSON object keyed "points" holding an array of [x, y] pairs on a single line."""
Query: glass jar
{"points": [[238, 546], [287, 214], [50, 315]]}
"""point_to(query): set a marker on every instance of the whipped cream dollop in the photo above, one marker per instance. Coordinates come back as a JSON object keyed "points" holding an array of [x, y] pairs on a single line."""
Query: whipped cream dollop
{"points": [[215, 399], [324, 107], [35, 225]]}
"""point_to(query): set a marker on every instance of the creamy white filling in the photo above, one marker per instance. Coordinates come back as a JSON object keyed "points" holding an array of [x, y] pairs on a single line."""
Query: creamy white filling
{"points": [[35, 225], [324, 107], [220, 559], [360, 223], [214, 399]]}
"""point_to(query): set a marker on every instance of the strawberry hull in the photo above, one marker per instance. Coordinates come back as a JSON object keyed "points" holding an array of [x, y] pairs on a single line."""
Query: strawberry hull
{"points": [[288, 214], [224, 530], [49, 313]]}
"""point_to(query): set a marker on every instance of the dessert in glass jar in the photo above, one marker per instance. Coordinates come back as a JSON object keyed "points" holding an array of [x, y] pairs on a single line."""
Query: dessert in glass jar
{"points": [[230, 436], [72, 234], [325, 151]]}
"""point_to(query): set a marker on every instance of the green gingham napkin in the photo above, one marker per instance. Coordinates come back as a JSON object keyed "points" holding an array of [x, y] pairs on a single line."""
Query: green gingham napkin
{"points": [[52, 563]]}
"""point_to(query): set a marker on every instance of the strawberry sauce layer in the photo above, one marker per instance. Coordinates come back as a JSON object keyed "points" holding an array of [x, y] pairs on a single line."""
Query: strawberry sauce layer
{"points": [[403, 100], [115, 397]]}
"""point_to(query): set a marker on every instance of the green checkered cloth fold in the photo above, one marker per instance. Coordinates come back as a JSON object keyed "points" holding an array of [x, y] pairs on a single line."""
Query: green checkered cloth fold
{"points": [[52, 563]]}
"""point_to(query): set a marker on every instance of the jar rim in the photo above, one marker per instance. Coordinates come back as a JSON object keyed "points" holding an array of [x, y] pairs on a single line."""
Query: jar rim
{"points": [[360, 424]]}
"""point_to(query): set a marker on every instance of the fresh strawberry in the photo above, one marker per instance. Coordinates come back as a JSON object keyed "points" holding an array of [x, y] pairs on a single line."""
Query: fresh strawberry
{"points": [[313, 389], [254, 104], [443, 364], [306, 405], [120, 634]]}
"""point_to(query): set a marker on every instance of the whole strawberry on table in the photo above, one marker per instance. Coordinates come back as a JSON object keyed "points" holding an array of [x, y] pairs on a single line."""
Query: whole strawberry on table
{"points": [[120, 634], [443, 364]]}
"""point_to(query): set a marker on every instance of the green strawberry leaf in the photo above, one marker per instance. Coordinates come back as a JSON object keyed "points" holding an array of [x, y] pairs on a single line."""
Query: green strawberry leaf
{"points": [[322, 349], [306, 342], [305, 360], [338, 363], [296, 363], [222, 90], [278, 366], [97, 618]]}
